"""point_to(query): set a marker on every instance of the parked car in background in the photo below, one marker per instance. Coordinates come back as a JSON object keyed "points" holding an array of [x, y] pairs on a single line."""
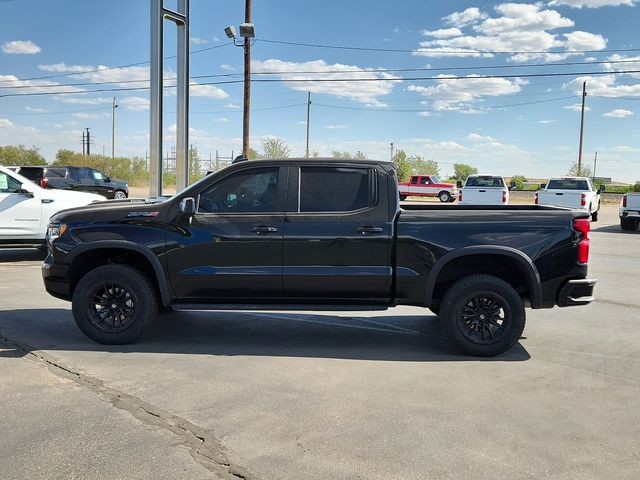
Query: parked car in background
{"points": [[25, 208], [84, 179], [428, 186], [630, 211], [570, 192], [483, 190]]}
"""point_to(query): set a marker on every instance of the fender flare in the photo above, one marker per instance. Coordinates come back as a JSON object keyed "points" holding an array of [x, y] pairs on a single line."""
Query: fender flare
{"points": [[521, 258], [161, 279]]}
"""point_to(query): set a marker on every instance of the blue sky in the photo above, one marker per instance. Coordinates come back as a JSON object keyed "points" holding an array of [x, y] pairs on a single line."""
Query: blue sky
{"points": [[481, 121]]}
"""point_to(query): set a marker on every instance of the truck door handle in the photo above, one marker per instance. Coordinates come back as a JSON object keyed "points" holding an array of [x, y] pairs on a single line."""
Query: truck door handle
{"points": [[482, 191], [369, 229], [559, 193], [263, 229]]}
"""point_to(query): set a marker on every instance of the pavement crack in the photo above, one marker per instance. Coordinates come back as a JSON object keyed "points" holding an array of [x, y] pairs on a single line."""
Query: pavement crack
{"points": [[203, 446]]}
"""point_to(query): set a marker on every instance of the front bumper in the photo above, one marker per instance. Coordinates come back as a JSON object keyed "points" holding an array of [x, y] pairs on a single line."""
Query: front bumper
{"points": [[577, 292], [56, 279]]}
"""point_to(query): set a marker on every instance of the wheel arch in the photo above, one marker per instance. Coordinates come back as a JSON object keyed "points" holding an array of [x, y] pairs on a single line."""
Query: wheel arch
{"points": [[445, 269], [85, 257]]}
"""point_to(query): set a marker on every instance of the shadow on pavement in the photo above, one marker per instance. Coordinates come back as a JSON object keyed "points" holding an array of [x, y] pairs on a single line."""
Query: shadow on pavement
{"points": [[612, 229], [21, 255], [389, 338]]}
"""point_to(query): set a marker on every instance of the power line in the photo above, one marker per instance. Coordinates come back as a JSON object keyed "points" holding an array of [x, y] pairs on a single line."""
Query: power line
{"points": [[448, 52]]}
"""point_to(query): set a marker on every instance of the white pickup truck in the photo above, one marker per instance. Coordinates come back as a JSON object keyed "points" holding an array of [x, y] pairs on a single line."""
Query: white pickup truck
{"points": [[25, 208], [630, 211], [483, 190], [570, 192]]}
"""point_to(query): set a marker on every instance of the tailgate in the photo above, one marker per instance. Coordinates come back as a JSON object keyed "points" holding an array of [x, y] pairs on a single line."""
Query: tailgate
{"points": [[560, 199], [633, 201], [482, 196]]}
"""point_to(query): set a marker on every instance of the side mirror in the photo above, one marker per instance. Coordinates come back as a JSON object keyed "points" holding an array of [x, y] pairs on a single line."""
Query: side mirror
{"points": [[543, 186], [25, 192], [514, 185], [602, 188], [188, 206], [106, 179], [459, 184]]}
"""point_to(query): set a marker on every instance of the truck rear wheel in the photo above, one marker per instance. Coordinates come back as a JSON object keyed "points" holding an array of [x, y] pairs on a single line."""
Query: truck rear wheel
{"points": [[594, 215], [482, 315], [445, 197], [114, 304], [628, 224]]}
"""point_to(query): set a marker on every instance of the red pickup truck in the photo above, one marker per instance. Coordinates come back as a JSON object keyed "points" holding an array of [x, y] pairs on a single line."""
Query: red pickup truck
{"points": [[428, 186]]}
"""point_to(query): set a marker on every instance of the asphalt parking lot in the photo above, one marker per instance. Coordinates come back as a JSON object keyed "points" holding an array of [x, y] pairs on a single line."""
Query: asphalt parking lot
{"points": [[324, 395]]}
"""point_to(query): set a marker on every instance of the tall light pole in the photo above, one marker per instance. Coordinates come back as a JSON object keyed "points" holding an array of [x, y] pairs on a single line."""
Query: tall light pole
{"points": [[308, 115], [247, 32], [584, 94], [391, 144], [114, 105]]}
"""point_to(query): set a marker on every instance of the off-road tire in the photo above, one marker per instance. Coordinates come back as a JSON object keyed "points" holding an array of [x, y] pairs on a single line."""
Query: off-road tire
{"points": [[96, 286], [457, 326]]}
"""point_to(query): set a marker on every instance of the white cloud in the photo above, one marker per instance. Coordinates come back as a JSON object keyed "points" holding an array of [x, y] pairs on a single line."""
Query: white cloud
{"points": [[20, 47], [91, 116], [576, 107], [199, 41], [232, 106], [605, 86], [464, 18], [226, 66], [618, 113], [64, 68], [222, 120], [134, 103], [443, 33], [593, 3], [624, 62], [335, 127], [474, 137], [363, 92], [425, 114], [32, 86], [461, 94], [527, 29], [81, 100], [36, 109], [545, 122]]}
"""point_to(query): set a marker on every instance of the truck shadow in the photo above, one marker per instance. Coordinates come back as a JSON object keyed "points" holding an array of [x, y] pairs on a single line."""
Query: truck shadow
{"points": [[613, 229], [8, 255], [380, 337]]}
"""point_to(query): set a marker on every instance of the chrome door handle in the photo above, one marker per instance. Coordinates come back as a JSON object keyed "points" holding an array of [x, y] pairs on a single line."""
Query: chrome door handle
{"points": [[263, 229], [369, 229]]}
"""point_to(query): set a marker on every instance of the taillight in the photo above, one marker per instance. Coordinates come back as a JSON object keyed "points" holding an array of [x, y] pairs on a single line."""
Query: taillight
{"points": [[624, 201], [583, 226], [504, 197], [460, 196], [583, 201], [535, 199], [44, 182]]}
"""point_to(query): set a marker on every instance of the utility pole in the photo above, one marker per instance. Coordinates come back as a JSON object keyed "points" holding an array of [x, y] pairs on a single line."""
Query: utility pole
{"points": [[114, 105], [595, 163], [84, 151], [308, 112], [247, 83], [88, 142], [391, 151], [584, 95]]}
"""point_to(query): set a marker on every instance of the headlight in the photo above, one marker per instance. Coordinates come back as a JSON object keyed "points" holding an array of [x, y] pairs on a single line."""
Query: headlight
{"points": [[55, 230]]}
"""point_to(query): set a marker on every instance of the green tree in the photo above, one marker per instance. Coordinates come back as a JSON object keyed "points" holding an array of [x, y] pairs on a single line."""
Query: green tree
{"points": [[195, 172], [520, 181], [574, 171], [253, 154], [636, 187], [360, 155], [423, 167], [339, 154], [20, 155], [461, 171], [403, 170], [275, 148]]}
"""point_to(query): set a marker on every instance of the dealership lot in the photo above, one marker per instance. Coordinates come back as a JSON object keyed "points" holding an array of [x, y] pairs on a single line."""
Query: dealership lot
{"points": [[324, 395]]}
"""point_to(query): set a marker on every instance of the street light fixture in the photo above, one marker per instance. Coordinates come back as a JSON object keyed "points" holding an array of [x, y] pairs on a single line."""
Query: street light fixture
{"points": [[230, 31]]}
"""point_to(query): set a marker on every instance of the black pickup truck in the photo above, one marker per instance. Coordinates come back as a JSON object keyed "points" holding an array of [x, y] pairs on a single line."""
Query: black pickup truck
{"points": [[316, 234]]}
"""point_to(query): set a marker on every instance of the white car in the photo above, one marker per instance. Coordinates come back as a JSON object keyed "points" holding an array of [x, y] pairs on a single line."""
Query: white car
{"points": [[630, 211], [484, 190], [570, 192], [25, 208]]}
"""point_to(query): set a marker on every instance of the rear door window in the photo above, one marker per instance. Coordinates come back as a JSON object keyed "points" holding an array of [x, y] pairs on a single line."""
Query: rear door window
{"points": [[336, 189]]}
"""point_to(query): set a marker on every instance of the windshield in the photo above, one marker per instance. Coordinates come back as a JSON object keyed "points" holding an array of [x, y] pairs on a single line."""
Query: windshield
{"points": [[568, 185], [435, 179]]}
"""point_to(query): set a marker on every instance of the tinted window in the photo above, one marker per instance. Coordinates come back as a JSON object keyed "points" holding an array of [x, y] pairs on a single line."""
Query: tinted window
{"points": [[568, 185], [425, 180], [486, 182], [84, 175], [414, 179], [336, 189], [32, 174], [8, 184], [250, 191], [56, 172]]}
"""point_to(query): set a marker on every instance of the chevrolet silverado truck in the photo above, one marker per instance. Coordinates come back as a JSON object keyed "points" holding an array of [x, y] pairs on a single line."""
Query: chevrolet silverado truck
{"points": [[316, 234], [483, 190], [428, 186], [629, 211], [570, 192]]}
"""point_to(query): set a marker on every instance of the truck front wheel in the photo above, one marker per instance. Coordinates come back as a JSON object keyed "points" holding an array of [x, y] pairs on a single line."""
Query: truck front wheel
{"points": [[628, 224], [114, 304], [482, 315], [445, 197]]}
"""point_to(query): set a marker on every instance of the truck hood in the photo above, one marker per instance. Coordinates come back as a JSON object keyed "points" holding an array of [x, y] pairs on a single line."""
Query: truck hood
{"points": [[111, 210]]}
